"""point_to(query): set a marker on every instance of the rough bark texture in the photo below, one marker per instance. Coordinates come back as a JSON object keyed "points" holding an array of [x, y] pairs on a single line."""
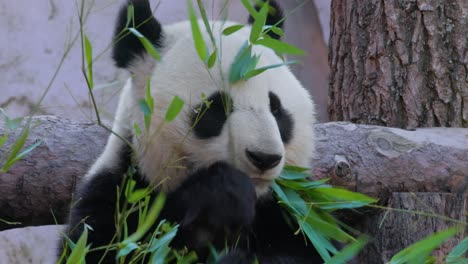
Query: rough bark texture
{"points": [[393, 231], [399, 63], [370, 159]]}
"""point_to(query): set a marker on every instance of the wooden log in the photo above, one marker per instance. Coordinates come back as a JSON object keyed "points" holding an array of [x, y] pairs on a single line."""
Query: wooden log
{"points": [[370, 159]]}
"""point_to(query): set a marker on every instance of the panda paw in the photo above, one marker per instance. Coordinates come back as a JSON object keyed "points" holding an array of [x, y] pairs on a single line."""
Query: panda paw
{"points": [[218, 201]]}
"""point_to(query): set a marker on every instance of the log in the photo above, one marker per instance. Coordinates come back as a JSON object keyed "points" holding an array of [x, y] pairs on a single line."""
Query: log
{"points": [[370, 159]]}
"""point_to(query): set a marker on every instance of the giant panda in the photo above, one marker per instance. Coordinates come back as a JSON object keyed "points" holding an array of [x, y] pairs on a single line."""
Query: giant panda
{"points": [[216, 168]]}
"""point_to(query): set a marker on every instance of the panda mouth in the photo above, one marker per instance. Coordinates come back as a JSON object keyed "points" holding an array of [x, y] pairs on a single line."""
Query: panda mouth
{"points": [[260, 181]]}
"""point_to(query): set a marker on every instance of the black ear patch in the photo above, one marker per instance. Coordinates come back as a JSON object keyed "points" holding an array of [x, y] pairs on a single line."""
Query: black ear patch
{"points": [[208, 121], [283, 118], [275, 15], [127, 45]]}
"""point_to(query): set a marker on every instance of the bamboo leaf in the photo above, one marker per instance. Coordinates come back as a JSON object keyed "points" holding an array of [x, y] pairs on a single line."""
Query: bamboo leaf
{"points": [[147, 111], [89, 61], [149, 47], [129, 247], [26, 151], [419, 251], [15, 149], [458, 253], [249, 8], [345, 195], [349, 252], [79, 250], [149, 220], [279, 46], [258, 23], [174, 108], [212, 59], [200, 46], [258, 71], [204, 17], [130, 15], [11, 124], [232, 29], [3, 139], [137, 195], [278, 31]]}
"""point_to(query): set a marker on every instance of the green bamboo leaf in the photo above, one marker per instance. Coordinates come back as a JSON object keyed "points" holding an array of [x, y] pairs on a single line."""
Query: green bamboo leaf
{"points": [[300, 185], [26, 151], [243, 63], [321, 244], [164, 240], [279, 46], [345, 195], [149, 47], [292, 168], [196, 33], [232, 29], [328, 229], [421, 250], [11, 124], [15, 148], [258, 23], [212, 59], [458, 253], [80, 249], [3, 139], [130, 15], [204, 17], [127, 249], [258, 71], [137, 195], [349, 252], [147, 111], [89, 61], [137, 129], [174, 108], [149, 98], [250, 8], [149, 220], [278, 31]]}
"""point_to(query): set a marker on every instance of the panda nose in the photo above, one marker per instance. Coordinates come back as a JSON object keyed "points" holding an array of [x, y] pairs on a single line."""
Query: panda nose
{"points": [[263, 161]]}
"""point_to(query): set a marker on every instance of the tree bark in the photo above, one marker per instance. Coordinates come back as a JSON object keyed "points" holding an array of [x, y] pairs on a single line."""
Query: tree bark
{"points": [[370, 159], [399, 63]]}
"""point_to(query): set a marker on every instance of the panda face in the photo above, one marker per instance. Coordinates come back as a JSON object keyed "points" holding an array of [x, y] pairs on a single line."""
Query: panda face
{"points": [[253, 133], [257, 125]]}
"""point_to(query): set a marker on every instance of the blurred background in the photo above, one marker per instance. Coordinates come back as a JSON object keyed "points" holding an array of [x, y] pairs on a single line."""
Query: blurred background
{"points": [[37, 34]]}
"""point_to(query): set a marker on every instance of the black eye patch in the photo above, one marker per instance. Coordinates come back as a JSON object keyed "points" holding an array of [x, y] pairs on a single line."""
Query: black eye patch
{"points": [[283, 118], [210, 115]]}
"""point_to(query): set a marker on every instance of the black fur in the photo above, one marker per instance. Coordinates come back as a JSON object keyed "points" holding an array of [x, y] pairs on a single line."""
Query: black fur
{"points": [[209, 121], [214, 205], [283, 118], [127, 45], [275, 15]]}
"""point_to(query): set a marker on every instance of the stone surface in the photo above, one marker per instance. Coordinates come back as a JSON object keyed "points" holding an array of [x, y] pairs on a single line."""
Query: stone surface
{"points": [[35, 245]]}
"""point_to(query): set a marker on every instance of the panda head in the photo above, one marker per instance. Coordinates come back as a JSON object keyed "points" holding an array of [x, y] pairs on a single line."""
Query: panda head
{"points": [[257, 125]]}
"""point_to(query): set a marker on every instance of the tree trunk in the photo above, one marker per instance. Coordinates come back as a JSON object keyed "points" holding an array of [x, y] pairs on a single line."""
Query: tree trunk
{"points": [[369, 159], [394, 230], [399, 63]]}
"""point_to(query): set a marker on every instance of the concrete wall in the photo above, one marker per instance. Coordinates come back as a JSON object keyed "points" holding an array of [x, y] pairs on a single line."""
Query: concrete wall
{"points": [[35, 35]]}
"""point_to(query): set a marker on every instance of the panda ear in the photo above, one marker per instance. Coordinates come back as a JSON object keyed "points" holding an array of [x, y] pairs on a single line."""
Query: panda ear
{"points": [[275, 15], [128, 47]]}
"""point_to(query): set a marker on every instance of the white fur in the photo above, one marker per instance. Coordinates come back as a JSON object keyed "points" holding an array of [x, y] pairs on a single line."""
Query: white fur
{"points": [[169, 151]]}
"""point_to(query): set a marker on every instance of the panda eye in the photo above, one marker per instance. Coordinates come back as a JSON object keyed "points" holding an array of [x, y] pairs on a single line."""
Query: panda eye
{"points": [[275, 104]]}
